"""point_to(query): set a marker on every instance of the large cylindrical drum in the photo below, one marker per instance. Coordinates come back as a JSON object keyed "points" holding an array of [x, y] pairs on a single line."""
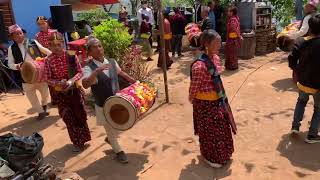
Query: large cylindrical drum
{"points": [[33, 71], [124, 110], [283, 40], [193, 33]]}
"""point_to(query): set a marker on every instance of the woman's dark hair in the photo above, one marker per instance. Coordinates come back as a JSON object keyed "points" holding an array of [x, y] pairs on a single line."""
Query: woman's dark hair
{"points": [[234, 10], [195, 41], [166, 15], [41, 18], [207, 37], [314, 24], [176, 10]]}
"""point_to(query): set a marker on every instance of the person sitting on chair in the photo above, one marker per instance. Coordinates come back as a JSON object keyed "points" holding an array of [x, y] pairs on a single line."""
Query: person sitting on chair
{"points": [[23, 50], [101, 75]]}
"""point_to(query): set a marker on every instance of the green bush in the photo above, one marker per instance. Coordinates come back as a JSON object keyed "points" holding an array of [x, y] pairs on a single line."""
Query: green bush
{"points": [[93, 16], [114, 37]]}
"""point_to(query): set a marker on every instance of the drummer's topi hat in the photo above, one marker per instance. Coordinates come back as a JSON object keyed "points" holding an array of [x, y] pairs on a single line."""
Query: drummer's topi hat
{"points": [[14, 28]]}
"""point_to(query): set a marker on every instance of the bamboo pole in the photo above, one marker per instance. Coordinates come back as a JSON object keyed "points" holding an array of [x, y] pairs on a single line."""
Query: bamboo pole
{"points": [[162, 49]]}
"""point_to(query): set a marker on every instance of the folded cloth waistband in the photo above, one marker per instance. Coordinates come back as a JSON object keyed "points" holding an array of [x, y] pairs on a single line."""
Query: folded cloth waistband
{"points": [[207, 96], [307, 89]]}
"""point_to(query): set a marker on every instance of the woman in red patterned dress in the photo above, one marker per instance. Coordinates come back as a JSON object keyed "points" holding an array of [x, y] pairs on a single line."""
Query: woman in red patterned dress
{"points": [[63, 71], [43, 35], [43, 38], [234, 39], [212, 115]]}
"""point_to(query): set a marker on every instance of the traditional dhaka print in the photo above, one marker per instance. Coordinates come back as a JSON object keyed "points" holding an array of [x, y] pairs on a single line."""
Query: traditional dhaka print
{"points": [[212, 126]]}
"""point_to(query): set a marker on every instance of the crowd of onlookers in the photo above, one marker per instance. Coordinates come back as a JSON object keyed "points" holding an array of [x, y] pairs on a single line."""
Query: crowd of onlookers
{"points": [[211, 16]]}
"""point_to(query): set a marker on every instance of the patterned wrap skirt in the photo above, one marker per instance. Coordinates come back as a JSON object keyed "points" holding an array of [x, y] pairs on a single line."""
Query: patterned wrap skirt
{"points": [[231, 53], [72, 111], [212, 125], [168, 59]]}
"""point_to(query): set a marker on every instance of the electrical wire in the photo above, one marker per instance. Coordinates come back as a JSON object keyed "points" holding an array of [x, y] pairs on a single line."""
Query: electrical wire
{"points": [[247, 77]]}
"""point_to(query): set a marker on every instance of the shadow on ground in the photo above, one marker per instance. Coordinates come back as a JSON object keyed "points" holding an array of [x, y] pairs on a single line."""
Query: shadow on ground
{"points": [[108, 168], [284, 85], [299, 153], [198, 171], [60, 156], [30, 125]]}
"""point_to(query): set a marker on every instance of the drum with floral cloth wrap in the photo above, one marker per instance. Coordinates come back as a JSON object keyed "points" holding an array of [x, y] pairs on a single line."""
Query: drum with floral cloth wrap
{"points": [[33, 71], [123, 110], [283, 40]]}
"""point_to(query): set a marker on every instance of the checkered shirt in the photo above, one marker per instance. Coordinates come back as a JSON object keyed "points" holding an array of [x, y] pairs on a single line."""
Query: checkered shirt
{"points": [[56, 67], [201, 80]]}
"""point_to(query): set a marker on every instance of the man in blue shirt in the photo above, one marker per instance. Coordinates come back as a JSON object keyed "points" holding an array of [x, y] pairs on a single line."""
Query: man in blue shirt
{"points": [[212, 15]]}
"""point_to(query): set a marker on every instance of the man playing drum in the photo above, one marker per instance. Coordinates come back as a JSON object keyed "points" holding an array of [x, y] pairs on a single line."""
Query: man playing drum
{"points": [[99, 74], [23, 50]]}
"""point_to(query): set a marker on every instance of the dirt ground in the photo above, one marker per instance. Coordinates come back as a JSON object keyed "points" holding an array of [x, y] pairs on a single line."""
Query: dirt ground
{"points": [[162, 145]]}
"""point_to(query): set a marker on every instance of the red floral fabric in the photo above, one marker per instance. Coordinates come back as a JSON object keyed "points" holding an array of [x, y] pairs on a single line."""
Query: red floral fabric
{"points": [[232, 45], [201, 79], [72, 111], [43, 38], [70, 104], [166, 26], [211, 124], [233, 25], [57, 69]]}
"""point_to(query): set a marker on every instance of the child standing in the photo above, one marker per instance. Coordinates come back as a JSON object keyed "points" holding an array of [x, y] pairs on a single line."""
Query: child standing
{"points": [[305, 60], [234, 39]]}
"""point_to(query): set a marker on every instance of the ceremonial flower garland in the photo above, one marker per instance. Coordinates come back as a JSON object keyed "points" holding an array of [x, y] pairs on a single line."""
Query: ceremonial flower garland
{"points": [[141, 94]]}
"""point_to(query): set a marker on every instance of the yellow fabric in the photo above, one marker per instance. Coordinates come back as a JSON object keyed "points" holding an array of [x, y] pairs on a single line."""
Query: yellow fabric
{"points": [[308, 38], [286, 30], [167, 36], [233, 35], [75, 36], [307, 89], [145, 36], [59, 88], [207, 96]]}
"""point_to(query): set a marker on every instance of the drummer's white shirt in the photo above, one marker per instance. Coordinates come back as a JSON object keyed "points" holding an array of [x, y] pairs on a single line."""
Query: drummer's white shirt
{"points": [[11, 63], [87, 70], [303, 30]]}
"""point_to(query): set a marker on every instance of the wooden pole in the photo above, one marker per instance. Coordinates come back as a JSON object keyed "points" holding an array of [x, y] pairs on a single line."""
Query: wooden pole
{"points": [[162, 49]]}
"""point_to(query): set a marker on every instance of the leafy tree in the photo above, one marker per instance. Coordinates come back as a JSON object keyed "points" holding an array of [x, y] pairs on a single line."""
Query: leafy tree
{"points": [[114, 37], [134, 5], [93, 16], [284, 11]]}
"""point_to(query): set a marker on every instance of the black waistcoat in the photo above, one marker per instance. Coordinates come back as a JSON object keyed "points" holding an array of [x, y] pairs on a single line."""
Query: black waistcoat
{"points": [[31, 48], [103, 89]]}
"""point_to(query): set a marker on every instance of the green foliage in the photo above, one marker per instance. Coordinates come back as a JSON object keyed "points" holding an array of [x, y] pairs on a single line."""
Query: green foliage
{"points": [[93, 16], [114, 37], [192, 3], [284, 11]]}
